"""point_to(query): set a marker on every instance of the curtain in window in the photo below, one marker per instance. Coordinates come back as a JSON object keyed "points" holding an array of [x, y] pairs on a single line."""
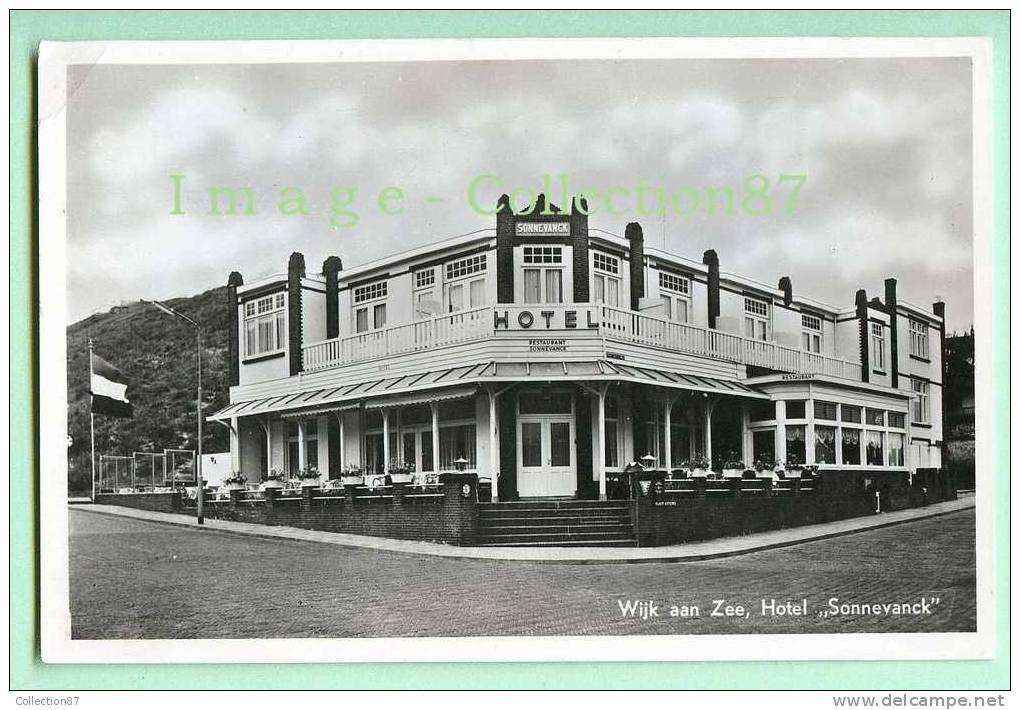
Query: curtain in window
{"points": [[825, 444]]}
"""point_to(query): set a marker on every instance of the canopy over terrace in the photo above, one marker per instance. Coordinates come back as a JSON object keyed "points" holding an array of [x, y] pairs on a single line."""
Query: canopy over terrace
{"points": [[433, 386]]}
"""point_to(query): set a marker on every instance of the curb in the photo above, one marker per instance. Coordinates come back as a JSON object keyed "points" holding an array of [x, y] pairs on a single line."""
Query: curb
{"points": [[450, 552]]}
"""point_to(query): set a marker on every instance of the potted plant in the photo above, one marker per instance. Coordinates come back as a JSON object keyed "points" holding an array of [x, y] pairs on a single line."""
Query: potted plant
{"points": [[352, 475], [309, 477], [809, 471], [793, 468], [764, 468], [400, 471], [273, 479], [700, 467], [734, 468], [236, 481]]}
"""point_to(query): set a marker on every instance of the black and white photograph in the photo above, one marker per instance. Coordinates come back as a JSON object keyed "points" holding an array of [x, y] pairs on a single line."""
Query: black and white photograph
{"points": [[513, 350]]}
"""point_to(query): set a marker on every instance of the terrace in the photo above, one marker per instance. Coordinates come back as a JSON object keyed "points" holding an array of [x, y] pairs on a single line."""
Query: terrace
{"points": [[599, 326]]}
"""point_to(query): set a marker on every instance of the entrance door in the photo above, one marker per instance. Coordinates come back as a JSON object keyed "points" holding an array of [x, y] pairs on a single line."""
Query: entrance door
{"points": [[545, 458]]}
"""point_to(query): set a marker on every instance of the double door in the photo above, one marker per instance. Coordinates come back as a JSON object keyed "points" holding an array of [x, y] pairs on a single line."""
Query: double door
{"points": [[546, 456]]}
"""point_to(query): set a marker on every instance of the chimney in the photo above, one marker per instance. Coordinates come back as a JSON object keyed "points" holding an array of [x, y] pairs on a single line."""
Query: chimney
{"points": [[861, 301], [894, 355], [637, 264], [786, 286], [711, 259], [295, 272], [331, 268], [504, 251], [579, 237], [233, 338]]}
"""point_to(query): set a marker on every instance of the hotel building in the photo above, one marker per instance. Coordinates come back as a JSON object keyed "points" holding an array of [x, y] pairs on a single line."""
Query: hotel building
{"points": [[548, 356]]}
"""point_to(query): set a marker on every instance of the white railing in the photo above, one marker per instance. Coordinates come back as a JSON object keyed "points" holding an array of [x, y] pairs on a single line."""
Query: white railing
{"points": [[459, 327], [628, 326], [612, 323]]}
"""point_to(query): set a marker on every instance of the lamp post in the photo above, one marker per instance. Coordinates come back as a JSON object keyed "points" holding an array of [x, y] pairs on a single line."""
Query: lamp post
{"points": [[198, 403]]}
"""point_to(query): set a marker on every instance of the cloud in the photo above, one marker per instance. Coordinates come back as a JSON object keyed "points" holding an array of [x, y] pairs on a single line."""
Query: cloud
{"points": [[885, 145]]}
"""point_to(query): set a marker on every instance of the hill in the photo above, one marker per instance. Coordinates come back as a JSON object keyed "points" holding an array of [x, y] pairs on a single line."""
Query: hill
{"points": [[156, 352]]}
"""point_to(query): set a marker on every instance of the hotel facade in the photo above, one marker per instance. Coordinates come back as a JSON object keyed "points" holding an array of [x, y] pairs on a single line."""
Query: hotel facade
{"points": [[546, 357]]}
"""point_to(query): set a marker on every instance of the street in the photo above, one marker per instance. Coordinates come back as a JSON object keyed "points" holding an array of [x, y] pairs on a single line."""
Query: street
{"points": [[134, 579]]}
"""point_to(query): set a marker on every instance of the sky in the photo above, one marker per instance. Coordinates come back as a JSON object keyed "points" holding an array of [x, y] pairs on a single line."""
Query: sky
{"points": [[885, 145]]}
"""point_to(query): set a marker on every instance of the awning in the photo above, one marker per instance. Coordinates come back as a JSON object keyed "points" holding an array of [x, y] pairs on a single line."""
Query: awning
{"points": [[461, 382]]}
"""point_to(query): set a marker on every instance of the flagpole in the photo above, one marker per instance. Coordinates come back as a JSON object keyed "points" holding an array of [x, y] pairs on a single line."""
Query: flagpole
{"points": [[92, 426]]}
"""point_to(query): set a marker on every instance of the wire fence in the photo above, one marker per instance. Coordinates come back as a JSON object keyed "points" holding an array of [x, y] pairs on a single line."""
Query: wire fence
{"points": [[145, 471]]}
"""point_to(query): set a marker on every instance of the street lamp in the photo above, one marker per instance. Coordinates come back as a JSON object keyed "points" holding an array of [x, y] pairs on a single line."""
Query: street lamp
{"points": [[198, 402]]}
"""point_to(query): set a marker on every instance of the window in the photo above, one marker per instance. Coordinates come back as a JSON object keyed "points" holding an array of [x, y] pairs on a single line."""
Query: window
{"points": [[825, 410], [370, 292], [756, 318], [795, 449], [465, 267], [849, 413], [605, 280], [543, 255], [611, 432], [918, 339], [763, 445], [851, 447], [874, 448], [921, 407], [896, 420], [606, 263], [424, 293], [265, 325], [543, 285], [466, 294], [876, 417], [370, 316], [424, 278], [895, 449], [811, 336], [457, 442], [675, 292], [311, 439], [795, 409], [761, 410], [825, 444], [877, 346]]}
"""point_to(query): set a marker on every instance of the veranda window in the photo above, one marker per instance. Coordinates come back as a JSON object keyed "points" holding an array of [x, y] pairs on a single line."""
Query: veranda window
{"points": [[825, 444], [851, 447]]}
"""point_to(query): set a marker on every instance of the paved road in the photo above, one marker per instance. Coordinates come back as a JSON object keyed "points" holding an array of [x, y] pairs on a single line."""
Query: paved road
{"points": [[138, 579]]}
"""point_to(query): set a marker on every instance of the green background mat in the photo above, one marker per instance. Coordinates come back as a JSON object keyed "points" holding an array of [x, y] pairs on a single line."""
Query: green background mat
{"points": [[28, 28]]}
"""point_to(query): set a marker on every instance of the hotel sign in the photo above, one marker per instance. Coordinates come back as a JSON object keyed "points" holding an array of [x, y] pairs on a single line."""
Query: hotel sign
{"points": [[542, 228], [543, 319]]}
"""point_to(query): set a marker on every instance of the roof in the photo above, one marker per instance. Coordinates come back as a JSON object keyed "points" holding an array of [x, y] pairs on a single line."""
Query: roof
{"points": [[460, 382]]}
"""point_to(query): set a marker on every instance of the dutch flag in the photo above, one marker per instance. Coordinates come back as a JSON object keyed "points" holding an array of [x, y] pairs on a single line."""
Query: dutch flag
{"points": [[108, 387]]}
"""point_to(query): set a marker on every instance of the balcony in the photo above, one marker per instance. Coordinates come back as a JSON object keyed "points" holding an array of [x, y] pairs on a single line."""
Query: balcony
{"points": [[612, 325]]}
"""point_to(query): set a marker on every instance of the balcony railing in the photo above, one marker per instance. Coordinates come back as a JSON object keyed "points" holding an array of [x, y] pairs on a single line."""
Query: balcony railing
{"points": [[628, 326], [460, 327], [613, 324]]}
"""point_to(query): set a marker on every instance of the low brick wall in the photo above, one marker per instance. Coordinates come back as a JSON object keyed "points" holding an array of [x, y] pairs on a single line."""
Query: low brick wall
{"points": [[451, 517], [667, 518], [159, 502]]}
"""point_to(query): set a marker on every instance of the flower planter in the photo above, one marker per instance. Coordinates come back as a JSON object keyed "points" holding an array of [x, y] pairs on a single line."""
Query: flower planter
{"points": [[733, 473], [235, 486], [273, 483], [310, 482], [400, 477], [793, 473], [352, 480], [700, 473]]}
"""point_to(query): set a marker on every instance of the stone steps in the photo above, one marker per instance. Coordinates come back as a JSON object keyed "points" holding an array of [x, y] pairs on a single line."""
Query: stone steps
{"points": [[560, 523]]}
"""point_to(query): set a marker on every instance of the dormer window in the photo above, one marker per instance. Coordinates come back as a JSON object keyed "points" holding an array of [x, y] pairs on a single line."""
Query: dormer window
{"points": [[265, 325]]}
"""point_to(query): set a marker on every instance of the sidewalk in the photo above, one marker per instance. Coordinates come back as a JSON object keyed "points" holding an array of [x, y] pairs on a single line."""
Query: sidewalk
{"points": [[689, 552]]}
